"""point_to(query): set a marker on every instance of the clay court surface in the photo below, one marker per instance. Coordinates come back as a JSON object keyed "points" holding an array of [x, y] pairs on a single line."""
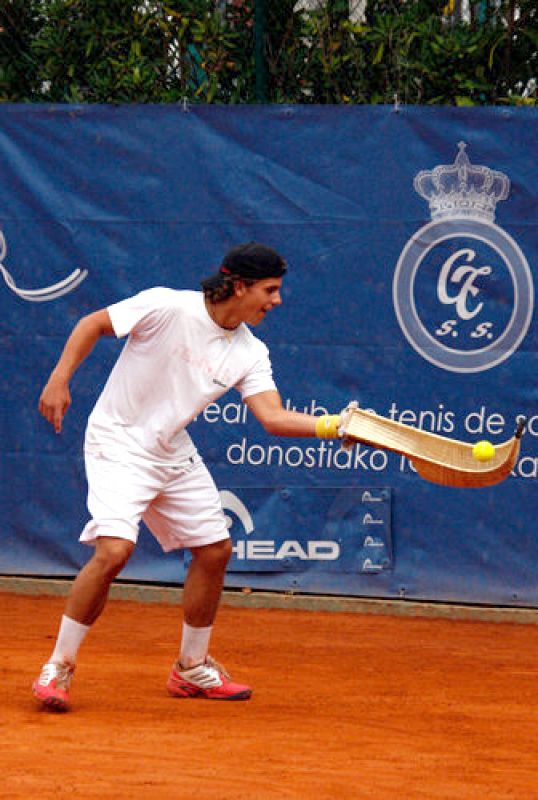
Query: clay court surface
{"points": [[345, 706]]}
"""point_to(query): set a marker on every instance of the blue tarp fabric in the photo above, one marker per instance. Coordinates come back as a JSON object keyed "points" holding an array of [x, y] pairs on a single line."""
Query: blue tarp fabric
{"points": [[412, 241]]}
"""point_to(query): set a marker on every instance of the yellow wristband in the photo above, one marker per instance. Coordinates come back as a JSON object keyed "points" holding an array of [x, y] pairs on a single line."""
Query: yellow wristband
{"points": [[327, 426]]}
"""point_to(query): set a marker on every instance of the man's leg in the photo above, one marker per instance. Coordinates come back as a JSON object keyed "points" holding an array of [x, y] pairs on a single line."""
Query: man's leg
{"points": [[84, 605], [90, 588], [204, 581], [194, 673], [201, 597]]}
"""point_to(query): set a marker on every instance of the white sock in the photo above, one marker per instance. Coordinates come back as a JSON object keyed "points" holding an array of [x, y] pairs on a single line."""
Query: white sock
{"points": [[194, 645], [69, 639]]}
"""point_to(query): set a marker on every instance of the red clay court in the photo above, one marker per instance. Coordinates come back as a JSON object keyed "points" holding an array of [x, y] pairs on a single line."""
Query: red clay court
{"points": [[345, 705]]}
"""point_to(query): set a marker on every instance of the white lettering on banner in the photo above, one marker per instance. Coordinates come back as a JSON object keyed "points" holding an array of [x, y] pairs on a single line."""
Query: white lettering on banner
{"points": [[371, 542], [312, 408], [260, 549], [526, 467], [440, 421], [265, 550], [368, 497], [369, 566], [237, 413], [368, 519], [231, 413], [483, 329], [478, 422], [323, 456], [465, 277]]}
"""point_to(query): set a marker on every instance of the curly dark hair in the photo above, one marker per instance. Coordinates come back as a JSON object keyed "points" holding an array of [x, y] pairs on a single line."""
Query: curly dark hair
{"points": [[216, 291]]}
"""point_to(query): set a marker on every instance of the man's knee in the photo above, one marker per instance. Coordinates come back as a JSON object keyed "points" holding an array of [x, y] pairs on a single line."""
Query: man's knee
{"points": [[111, 555], [214, 556]]}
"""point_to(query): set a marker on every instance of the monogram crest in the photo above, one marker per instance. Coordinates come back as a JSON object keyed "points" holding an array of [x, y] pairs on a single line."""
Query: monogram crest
{"points": [[463, 291]]}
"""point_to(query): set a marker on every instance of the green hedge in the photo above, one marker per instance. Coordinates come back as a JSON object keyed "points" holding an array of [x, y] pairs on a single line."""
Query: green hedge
{"points": [[117, 51]]}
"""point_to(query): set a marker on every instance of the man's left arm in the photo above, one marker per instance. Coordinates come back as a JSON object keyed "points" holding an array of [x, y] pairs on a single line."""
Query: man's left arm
{"points": [[279, 421]]}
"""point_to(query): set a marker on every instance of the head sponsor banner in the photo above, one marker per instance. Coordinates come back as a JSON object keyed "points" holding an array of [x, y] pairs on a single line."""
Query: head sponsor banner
{"points": [[353, 534], [411, 238]]}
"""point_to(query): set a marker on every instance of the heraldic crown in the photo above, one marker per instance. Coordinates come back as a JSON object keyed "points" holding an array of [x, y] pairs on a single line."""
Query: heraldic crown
{"points": [[462, 189]]}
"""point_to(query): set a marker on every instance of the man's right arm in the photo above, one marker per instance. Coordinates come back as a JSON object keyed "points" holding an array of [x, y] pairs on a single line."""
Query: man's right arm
{"points": [[56, 398]]}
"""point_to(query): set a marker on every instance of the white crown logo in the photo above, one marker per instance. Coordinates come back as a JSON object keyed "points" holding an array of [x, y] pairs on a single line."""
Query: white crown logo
{"points": [[462, 189]]}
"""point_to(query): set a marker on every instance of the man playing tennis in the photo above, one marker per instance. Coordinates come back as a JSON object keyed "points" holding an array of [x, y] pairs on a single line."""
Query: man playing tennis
{"points": [[184, 350]]}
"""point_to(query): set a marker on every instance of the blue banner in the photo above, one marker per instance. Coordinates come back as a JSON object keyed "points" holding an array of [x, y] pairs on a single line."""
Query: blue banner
{"points": [[412, 241]]}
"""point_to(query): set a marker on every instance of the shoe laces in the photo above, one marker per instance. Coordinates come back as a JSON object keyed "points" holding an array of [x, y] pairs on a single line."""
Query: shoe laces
{"points": [[62, 673], [210, 662], [206, 675]]}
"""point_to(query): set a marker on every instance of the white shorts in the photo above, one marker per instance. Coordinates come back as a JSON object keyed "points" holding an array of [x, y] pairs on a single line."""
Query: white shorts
{"points": [[179, 503]]}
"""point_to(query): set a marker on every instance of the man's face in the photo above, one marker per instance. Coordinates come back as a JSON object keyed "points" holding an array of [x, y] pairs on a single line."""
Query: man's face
{"points": [[253, 302]]}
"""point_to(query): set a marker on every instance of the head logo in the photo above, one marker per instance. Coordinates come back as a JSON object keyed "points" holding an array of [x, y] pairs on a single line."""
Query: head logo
{"points": [[463, 291], [47, 292], [368, 519], [283, 551], [231, 502], [368, 497]]}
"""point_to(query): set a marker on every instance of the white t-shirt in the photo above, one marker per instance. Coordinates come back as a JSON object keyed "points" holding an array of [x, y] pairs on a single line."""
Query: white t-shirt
{"points": [[174, 363]]}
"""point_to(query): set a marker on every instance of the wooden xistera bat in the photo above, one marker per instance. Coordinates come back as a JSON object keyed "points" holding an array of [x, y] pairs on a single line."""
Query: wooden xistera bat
{"points": [[436, 458]]}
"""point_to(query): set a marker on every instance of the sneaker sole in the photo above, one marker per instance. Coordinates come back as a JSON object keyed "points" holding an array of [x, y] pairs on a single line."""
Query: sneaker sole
{"points": [[244, 695], [52, 703]]}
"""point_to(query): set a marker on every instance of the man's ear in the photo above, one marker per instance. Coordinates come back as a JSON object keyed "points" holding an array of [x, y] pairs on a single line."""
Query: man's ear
{"points": [[240, 288]]}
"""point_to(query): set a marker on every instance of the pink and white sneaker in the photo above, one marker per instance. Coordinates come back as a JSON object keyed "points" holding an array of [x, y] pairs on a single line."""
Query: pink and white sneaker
{"points": [[52, 686], [208, 680]]}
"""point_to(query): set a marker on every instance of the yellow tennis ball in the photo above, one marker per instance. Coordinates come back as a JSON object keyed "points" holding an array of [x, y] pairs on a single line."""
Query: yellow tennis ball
{"points": [[483, 451]]}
